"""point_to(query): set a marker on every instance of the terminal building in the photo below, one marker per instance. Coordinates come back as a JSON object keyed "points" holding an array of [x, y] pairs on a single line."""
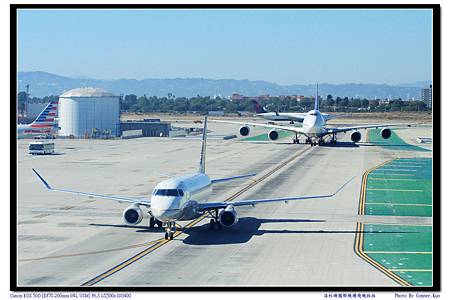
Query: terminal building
{"points": [[149, 127], [89, 112]]}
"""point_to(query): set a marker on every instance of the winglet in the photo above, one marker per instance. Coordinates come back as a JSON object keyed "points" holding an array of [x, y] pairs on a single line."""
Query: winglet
{"points": [[42, 179], [339, 189]]}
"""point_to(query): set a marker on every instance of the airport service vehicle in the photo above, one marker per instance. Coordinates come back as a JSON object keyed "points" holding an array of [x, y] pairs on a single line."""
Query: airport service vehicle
{"points": [[45, 124], [41, 147], [184, 198], [314, 128]]}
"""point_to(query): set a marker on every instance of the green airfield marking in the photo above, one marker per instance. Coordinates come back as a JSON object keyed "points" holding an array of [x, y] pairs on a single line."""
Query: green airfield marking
{"points": [[264, 137], [404, 250], [392, 143]]}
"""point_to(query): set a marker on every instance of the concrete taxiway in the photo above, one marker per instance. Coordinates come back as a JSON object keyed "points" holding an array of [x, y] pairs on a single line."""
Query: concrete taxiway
{"points": [[64, 240]]}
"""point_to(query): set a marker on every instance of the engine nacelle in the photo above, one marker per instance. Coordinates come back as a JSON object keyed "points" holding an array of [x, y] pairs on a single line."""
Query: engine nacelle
{"points": [[273, 135], [132, 215], [228, 217], [244, 130], [355, 136], [385, 133]]}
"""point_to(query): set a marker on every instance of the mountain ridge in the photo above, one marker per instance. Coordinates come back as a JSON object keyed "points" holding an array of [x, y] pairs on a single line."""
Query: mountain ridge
{"points": [[45, 84]]}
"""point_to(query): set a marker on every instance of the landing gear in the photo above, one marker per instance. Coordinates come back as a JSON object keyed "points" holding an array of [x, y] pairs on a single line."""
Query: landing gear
{"points": [[154, 222], [295, 140], [333, 139], [308, 141], [170, 230], [320, 141], [214, 220]]}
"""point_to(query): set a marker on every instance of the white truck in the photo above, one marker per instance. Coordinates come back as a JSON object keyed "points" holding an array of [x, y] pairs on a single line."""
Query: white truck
{"points": [[41, 147]]}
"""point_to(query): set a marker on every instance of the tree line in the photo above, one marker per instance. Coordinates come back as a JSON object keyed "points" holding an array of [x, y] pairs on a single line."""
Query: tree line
{"points": [[145, 104]]}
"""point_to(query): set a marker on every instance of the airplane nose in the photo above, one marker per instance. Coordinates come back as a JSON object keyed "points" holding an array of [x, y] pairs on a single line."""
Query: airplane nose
{"points": [[164, 208]]}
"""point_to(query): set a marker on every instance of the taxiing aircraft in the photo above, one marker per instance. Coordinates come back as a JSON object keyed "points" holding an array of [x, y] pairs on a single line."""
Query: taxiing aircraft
{"points": [[45, 123], [184, 198], [314, 128]]}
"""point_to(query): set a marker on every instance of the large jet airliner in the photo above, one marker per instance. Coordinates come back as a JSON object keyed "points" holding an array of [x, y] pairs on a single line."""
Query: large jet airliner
{"points": [[184, 198], [314, 128], [45, 123]]}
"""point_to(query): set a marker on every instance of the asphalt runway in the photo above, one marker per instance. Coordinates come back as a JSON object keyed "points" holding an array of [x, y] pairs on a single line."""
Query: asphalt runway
{"points": [[64, 240]]}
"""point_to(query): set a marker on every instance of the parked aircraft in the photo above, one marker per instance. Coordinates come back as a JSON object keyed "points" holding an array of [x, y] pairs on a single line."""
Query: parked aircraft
{"points": [[44, 124], [314, 128], [184, 198]]}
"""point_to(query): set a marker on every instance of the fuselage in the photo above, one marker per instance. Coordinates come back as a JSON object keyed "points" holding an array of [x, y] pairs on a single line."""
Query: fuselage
{"points": [[271, 116], [176, 199], [314, 124], [29, 130]]}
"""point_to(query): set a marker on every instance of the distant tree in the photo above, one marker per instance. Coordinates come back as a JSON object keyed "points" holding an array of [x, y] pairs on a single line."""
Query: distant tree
{"points": [[21, 100]]}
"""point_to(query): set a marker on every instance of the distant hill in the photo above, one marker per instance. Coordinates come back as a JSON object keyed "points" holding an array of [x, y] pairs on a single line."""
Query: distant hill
{"points": [[45, 84]]}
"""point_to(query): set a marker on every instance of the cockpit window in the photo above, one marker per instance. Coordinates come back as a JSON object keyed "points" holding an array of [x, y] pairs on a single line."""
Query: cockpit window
{"points": [[313, 114], [168, 192]]}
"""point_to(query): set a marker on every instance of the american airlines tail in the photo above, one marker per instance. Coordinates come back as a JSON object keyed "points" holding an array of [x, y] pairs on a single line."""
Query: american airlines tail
{"points": [[203, 152], [47, 118], [316, 102], [45, 123]]}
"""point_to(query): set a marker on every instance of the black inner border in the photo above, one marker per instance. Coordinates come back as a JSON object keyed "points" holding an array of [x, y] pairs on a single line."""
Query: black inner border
{"points": [[436, 10]]}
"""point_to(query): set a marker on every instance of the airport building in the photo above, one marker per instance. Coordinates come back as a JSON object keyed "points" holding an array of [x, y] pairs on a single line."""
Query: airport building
{"points": [[427, 96], [89, 112], [149, 127]]}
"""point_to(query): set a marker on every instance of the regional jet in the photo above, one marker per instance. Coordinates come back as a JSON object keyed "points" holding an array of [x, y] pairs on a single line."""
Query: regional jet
{"points": [[45, 123], [314, 128], [184, 198]]}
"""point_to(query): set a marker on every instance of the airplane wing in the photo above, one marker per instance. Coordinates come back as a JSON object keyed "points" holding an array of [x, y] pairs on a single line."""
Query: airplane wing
{"points": [[218, 205], [231, 178], [344, 129], [92, 195], [280, 127]]}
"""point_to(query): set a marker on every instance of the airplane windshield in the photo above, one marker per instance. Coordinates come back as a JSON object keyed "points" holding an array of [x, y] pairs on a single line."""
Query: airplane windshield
{"points": [[168, 192]]}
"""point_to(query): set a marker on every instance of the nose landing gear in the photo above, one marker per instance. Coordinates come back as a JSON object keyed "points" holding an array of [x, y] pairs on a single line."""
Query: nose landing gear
{"points": [[170, 229]]}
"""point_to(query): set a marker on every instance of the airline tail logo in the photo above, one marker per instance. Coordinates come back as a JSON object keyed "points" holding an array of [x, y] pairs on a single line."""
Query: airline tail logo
{"points": [[47, 118], [258, 108]]}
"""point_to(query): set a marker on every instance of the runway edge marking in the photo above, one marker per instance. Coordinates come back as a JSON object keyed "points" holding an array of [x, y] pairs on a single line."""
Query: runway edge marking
{"points": [[143, 253], [359, 237]]}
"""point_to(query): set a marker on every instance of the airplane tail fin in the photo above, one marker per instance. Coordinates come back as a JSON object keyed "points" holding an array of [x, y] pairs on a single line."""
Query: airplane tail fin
{"points": [[203, 151], [47, 117], [258, 108], [316, 102]]}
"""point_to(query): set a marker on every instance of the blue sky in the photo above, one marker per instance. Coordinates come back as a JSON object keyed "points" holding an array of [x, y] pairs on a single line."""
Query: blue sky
{"points": [[282, 46]]}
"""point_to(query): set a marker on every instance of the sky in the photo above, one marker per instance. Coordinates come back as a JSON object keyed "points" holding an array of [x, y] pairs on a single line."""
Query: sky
{"points": [[281, 46]]}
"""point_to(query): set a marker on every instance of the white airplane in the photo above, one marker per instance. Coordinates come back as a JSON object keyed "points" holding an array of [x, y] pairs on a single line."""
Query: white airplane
{"points": [[292, 117], [314, 128], [184, 198], [45, 123]]}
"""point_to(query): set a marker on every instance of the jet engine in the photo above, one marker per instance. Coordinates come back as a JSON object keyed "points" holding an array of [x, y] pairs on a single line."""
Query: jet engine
{"points": [[228, 217], [385, 133], [244, 130], [132, 215], [355, 136], [273, 135]]}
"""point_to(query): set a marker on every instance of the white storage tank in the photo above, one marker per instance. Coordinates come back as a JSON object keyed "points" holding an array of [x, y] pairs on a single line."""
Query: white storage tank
{"points": [[89, 112]]}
